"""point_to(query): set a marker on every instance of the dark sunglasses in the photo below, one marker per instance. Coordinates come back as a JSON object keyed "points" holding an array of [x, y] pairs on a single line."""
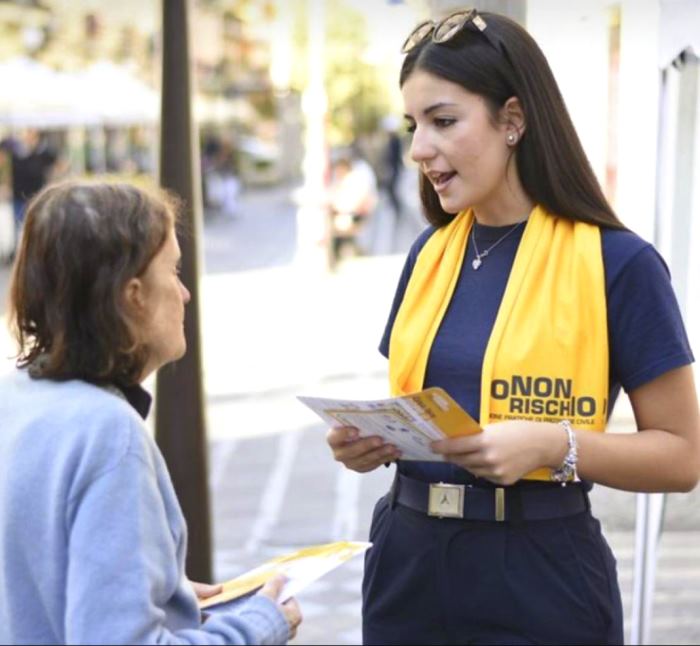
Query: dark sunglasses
{"points": [[446, 29]]}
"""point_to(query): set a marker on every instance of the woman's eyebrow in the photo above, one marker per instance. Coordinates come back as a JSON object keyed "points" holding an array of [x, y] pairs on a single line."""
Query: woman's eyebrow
{"points": [[433, 108], [437, 106]]}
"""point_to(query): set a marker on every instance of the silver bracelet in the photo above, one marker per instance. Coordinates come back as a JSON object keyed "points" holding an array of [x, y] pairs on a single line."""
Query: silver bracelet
{"points": [[567, 470]]}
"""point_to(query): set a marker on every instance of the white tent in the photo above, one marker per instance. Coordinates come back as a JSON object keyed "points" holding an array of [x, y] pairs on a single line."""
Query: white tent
{"points": [[679, 33], [680, 29], [38, 96], [102, 94], [115, 95]]}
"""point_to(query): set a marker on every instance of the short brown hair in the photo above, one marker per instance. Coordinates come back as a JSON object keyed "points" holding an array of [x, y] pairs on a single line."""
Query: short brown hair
{"points": [[82, 243]]}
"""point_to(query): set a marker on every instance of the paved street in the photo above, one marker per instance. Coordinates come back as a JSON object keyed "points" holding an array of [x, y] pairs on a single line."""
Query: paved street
{"points": [[273, 330]]}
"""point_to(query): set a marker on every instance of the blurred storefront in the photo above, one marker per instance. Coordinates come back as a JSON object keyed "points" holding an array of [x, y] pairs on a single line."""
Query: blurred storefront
{"points": [[87, 74]]}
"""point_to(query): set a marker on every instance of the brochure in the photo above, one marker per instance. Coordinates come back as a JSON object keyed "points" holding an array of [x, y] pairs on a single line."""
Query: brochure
{"points": [[301, 568], [410, 422]]}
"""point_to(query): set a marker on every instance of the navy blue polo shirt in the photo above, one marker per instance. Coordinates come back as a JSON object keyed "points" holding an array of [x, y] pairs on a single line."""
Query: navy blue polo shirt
{"points": [[645, 329]]}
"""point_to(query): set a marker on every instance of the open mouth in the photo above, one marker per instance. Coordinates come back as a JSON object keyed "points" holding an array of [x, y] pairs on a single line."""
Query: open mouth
{"points": [[441, 180]]}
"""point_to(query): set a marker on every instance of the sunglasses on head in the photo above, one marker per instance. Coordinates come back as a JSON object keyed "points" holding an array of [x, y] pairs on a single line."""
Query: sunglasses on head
{"points": [[446, 29]]}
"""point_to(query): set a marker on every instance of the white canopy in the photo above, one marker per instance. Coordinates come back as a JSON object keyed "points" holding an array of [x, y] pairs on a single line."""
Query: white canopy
{"points": [[36, 95], [104, 93], [679, 29]]}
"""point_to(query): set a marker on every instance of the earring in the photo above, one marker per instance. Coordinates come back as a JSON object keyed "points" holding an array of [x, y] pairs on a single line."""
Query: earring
{"points": [[511, 139]]}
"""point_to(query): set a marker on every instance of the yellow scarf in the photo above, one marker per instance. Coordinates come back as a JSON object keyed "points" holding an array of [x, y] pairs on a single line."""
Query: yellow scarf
{"points": [[547, 356]]}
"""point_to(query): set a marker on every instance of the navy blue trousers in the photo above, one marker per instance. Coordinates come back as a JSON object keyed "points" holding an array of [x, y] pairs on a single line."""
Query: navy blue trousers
{"points": [[446, 581]]}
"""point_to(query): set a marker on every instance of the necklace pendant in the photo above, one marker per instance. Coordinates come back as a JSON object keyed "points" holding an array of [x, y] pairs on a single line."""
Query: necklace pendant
{"points": [[476, 263]]}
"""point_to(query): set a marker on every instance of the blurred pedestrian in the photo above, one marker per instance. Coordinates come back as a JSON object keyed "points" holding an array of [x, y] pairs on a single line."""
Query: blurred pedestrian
{"points": [[92, 539], [31, 161], [228, 169], [393, 167], [221, 176], [210, 150], [352, 200], [532, 305]]}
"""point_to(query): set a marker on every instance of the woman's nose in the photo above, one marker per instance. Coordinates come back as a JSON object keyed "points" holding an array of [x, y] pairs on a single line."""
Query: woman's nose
{"points": [[421, 148]]}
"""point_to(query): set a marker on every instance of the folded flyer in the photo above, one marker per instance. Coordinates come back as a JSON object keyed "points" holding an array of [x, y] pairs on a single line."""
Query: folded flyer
{"points": [[410, 422], [301, 568]]}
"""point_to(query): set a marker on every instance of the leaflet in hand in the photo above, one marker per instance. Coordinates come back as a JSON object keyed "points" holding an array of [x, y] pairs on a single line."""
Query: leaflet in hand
{"points": [[410, 422], [301, 568]]}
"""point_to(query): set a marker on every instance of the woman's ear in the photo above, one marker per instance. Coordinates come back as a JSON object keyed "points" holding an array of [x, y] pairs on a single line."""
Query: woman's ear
{"points": [[513, 117], [133, 296]]}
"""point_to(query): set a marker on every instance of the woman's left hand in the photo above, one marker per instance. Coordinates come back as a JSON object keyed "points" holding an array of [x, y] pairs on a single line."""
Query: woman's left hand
{"points": [[505, 452], [205, 590]]}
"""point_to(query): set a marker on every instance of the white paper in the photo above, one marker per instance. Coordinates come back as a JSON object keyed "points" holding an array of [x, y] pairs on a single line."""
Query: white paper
{"points": [[301, 568], [395, 420], [305, 571]]}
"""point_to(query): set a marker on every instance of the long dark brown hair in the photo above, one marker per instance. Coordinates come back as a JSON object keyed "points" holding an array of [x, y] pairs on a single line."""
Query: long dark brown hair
{"points": [[551, 162], [80, 246]]}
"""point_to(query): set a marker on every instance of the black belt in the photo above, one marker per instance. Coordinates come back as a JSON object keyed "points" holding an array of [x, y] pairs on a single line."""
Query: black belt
{"points": [[445, 500]]}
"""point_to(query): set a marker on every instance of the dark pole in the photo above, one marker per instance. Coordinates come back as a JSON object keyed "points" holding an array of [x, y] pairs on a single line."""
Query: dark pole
{"points": [[180, 422]]}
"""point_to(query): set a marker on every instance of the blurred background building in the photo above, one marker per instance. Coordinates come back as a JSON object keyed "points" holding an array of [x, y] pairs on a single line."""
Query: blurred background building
{"points": [[86, 74]]}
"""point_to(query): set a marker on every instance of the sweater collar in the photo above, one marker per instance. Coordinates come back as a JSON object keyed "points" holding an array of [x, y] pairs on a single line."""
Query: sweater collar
{"points": [[139, 399]]}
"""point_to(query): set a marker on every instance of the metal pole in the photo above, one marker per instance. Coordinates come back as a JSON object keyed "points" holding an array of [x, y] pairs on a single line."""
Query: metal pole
{"points": [[648, 522], [180, 421]]}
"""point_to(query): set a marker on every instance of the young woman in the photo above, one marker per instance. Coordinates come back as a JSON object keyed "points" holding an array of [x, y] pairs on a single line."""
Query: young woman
{"points": [[92, 539], [532, 305]]}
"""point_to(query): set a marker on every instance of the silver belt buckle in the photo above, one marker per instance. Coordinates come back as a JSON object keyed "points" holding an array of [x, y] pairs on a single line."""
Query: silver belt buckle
{"points": [[446, 500]]}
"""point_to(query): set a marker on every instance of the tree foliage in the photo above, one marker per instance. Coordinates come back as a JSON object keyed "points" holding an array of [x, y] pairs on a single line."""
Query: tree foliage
{"points": [[356, 89]]}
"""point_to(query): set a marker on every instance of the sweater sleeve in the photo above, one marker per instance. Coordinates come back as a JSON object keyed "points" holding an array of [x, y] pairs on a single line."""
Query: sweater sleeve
{"points": [[125, 580]]}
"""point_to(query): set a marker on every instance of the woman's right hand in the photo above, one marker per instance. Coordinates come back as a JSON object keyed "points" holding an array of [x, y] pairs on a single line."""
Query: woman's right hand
{"points": [[290, 609], [359, 454]]}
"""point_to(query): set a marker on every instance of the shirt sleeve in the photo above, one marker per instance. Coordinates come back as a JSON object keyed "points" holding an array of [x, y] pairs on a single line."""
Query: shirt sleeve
{"points": [[646, 331], [123, 571]]}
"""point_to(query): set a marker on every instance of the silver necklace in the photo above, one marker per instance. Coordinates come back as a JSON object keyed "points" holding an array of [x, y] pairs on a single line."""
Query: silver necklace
{"points": [[477, 262]]}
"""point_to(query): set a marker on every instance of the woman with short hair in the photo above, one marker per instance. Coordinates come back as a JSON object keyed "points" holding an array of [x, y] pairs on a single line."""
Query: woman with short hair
{"points": [[92, 538]]}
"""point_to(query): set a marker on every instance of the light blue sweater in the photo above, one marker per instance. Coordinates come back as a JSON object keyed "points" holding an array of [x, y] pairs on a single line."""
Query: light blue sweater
{"points": [[92, 539]]}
